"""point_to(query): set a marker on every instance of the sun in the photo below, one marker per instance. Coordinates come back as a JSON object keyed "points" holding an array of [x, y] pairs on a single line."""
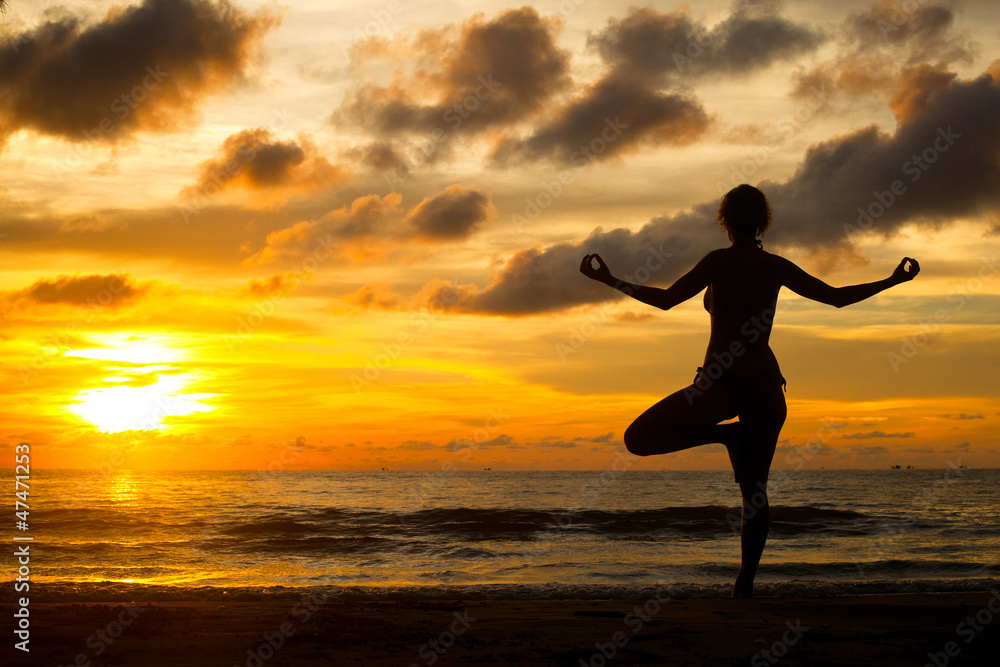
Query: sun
{"points": [[148, 387], [126, 408]]}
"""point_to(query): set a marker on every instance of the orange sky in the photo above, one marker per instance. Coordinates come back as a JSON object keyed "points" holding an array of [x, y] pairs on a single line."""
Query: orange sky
{"points": [[302, 236]]}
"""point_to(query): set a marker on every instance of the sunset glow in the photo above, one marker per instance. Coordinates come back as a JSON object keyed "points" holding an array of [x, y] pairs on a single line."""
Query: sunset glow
{"points": [[334, 238]]}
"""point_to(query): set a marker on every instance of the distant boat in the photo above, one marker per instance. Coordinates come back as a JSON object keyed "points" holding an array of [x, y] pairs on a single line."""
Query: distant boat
{"points": [[896, 467]]}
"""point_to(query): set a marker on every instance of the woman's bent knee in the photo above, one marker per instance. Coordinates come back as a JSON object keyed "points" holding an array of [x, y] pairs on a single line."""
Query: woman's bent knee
{"points": [[635, 443]]}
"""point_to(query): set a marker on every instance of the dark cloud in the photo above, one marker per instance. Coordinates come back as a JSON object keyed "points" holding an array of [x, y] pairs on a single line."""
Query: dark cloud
{"points": [[916, 88], [453, 214], [632, 105], [373, 225], [500, 73], [786, 451], [537, 280], [963, 416], [142, 68], [254, 160], [379, 155], [663, 46], [876, 44], [107, 290], [942, 159], [506, 442], [614, 116], [496, 73], [922, 32], [501, 441], [862, 450], [874, 434]]}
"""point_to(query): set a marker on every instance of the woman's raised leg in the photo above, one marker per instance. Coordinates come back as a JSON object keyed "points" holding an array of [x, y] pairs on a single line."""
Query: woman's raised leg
{"points": [[687, 418]]}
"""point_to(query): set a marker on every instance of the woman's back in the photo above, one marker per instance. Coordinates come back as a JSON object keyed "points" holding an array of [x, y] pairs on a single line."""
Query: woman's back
{"points": [[741, 301]]}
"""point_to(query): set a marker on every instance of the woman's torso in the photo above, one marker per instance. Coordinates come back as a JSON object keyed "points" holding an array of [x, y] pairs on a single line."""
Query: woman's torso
{"points": [[741, 300]]}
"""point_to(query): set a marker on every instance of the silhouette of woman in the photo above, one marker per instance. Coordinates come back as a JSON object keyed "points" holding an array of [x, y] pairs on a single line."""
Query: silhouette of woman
{"points": [[740, 375]]}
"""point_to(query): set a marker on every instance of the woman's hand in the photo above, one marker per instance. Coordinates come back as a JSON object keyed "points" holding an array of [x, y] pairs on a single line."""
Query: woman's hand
{"points": [[901, 275], [600, 274]]}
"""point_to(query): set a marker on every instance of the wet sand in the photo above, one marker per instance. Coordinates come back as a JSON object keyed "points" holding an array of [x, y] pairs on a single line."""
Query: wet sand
{"points": [[861, 630]]}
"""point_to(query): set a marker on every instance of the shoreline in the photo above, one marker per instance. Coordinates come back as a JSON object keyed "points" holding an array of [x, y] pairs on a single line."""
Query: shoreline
{"points": [[856, 630], [90, 591]]}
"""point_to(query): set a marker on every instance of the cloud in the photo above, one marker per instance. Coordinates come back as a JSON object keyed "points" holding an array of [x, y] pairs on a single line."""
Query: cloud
{"points": [[627, 108], [537, 280], [363, 220], [496, 72], [550, 442], [942, 158], [876, 44], [874, 434], [634, 105], [254, 161], [787, 451], [921, 31], [963, 416], [862, 450], [416, 446], [554, 443], [274, 286], [375, 296], [632, 316], [372, 225], [660, 47], [501, 441], [915, 89], [453, 214], [112, 290], [614, 116], [142, 68], [379, 155]]}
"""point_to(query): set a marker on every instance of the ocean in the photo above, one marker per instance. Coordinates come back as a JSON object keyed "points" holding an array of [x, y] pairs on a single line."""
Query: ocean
{"points": [[503, 534]]}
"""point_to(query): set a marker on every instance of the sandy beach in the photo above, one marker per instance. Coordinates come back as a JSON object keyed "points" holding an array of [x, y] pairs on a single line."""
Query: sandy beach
{"points": [[860, 630]]}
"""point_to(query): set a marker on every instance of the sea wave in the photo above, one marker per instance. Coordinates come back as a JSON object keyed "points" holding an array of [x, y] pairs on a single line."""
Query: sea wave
{"points": [[470, 523]]}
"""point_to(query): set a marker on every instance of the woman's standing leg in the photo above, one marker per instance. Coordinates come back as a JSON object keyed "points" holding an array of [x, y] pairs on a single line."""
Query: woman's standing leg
{"points": [[761, 423]]}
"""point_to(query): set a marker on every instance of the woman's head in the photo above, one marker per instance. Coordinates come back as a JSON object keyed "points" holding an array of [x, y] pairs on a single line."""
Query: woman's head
{"points": [[744, 213]]}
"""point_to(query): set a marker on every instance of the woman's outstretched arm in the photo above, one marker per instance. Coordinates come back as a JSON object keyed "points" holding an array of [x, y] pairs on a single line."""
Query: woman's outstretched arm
{"points": [[813, 288], [686, 286]]}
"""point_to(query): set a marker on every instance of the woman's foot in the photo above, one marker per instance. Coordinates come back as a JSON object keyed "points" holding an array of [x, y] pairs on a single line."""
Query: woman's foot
{"points": [[741, 589]]}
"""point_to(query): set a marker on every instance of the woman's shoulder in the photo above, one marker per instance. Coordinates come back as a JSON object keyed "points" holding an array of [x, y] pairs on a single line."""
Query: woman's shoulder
{"points": [[774, 258]]}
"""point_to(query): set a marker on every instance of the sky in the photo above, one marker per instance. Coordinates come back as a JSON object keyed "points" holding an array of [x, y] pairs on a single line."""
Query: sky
{"points": [[316, 235]]}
